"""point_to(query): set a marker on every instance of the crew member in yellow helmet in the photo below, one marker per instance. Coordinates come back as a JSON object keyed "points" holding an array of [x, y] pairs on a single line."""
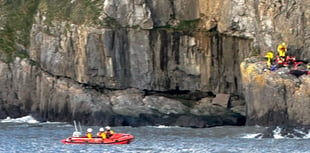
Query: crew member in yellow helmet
{"points": [[269, 57], [282, 49]]}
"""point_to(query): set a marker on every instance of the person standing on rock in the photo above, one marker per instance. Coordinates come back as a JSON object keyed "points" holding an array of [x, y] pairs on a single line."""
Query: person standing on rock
{"points": [[280, 59], [282, 49], [269, 57]]}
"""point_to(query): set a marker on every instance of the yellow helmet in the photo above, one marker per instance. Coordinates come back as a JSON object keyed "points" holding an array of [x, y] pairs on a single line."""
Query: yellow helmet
{"points": [[283, 43], [269, 54]]}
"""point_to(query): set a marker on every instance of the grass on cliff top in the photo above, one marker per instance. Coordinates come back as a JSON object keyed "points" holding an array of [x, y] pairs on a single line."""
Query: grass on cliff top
{"points": [[78, 12], [16, 18]]}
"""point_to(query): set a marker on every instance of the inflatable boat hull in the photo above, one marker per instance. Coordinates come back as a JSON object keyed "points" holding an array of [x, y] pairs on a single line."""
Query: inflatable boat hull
{"points": [[117, 138]]}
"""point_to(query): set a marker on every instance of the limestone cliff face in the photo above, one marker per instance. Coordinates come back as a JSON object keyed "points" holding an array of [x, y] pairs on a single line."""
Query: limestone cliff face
{"points": [[267, 22], [125, 53], [82, 52]]}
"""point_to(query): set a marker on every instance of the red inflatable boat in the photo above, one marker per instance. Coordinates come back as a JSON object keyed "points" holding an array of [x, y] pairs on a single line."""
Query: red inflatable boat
{"points": [[117, 138]]}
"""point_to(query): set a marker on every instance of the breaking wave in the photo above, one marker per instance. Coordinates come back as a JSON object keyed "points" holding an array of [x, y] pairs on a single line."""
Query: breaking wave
{"points": [[163, 127], [252, 136], [280, 133], [284, 133], [26, 119]]}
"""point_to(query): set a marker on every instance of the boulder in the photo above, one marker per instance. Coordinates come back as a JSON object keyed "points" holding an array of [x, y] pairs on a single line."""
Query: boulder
{"points": [[221, 99], [275, 97]]}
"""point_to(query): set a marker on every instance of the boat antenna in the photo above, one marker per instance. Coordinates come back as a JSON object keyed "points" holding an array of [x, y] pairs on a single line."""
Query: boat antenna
{"points": [[80, 126], [75, 126]]}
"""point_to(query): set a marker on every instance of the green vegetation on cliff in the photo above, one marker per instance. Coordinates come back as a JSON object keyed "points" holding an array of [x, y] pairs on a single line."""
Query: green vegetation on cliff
{"points": [[16, 18], [77, 12]]}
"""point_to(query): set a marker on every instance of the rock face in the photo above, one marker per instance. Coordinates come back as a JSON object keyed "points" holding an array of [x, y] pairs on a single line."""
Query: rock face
{"points": [[61, 99], [110, 61], [275, 98]]}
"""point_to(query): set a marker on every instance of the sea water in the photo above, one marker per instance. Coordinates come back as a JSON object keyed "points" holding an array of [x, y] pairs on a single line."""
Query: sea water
{"points": [[26, 135]]}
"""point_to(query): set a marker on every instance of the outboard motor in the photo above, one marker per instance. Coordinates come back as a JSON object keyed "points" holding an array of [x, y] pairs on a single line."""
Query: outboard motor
{"points": [[76, 134]]}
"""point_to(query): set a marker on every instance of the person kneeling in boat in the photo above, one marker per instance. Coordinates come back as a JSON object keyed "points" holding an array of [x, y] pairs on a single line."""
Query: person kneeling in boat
{"points": [[89, 133], [101, 133], [108, 132]]}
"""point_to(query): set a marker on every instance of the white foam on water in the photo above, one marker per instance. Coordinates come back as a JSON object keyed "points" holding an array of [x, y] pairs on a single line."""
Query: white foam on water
{"points": [[25, 119], [49, 122], [277, 133], [28, 119], [306, 135], [251, 136], [164, 127]]}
